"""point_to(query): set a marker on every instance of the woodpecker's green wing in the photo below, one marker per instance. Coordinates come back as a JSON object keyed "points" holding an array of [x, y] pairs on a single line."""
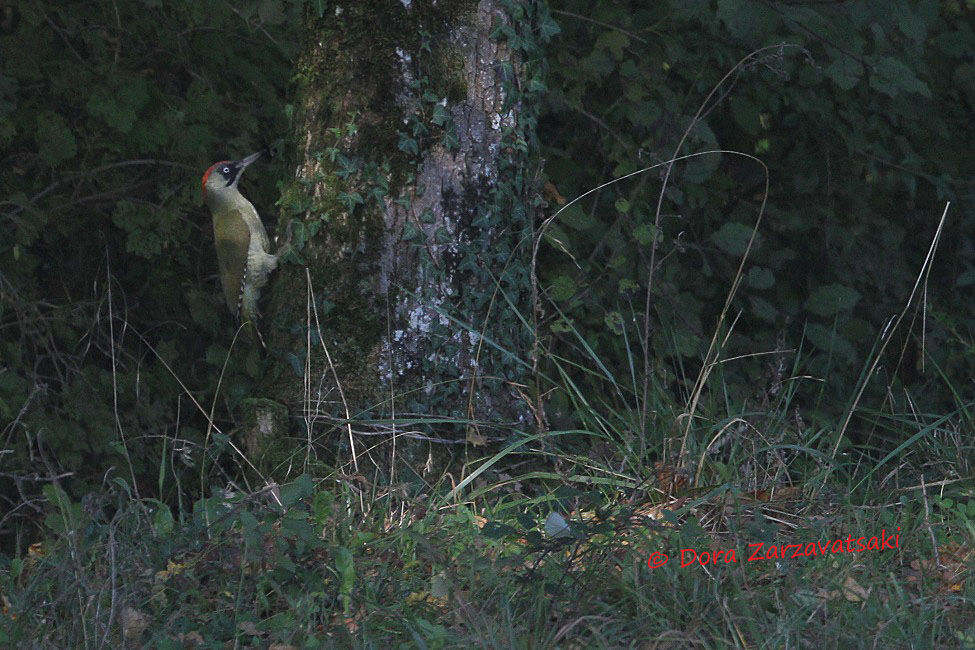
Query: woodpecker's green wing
{"points": [[259, 264], [232, 239]]}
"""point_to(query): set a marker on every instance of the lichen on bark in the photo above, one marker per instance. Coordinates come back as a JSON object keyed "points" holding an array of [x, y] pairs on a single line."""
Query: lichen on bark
{"points": [[429, 249]]}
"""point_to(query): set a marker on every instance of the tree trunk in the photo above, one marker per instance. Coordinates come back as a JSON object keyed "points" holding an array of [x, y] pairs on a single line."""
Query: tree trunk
{"points": [[412, 204]]}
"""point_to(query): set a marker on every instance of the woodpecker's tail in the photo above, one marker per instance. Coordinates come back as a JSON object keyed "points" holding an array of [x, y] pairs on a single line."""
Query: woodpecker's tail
{"points": [[254, 333]]}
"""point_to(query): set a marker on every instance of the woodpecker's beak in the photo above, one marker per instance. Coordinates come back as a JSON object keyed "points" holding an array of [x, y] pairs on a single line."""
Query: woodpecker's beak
{"points": [[249, 159]]}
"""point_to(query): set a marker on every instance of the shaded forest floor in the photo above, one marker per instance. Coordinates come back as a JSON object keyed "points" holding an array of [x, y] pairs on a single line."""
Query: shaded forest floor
{"points": [[527, 563]]}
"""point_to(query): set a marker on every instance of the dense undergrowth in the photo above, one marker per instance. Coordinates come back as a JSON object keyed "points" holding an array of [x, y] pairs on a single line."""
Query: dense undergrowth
{"points": [[539, 543], [711, 381]]}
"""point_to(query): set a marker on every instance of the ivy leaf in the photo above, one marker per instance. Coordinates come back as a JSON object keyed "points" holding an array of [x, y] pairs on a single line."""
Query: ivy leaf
{"points": [[162, 520], [450, 140], [831, 299], [411, 232], [408, 145], [440, 114], [350, 199], [547, 27]]}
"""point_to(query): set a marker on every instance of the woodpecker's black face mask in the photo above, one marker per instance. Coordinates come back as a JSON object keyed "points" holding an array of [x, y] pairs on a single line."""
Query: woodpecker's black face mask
{"points": [[229, 170]]}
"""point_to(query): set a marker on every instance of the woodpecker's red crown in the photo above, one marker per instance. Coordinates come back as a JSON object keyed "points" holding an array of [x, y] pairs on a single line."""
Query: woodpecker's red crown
{"points": [[206, 174]]}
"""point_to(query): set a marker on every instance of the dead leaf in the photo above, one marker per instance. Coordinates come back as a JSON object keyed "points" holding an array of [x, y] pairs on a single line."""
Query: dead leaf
{"points": [[134, 623], [552, 194], [248, 627], [190, 639], [670, 479], [475, 438], [853, 592]]}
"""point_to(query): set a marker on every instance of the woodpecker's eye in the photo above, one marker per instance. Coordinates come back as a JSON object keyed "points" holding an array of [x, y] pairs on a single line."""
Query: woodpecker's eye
{"points": [[226, 170]]}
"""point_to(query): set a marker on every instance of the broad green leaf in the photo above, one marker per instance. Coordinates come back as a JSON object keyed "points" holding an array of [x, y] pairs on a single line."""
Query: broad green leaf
{"points": [[733, 237], [577, 218], [746, 19], [827, 340], [831, 299], [291, 493], [892, 77], [55, 141], [644, 234], [746, 114], [763, 309], [216, 355], [613, 40], [844, 70], [563, 288], [760, 277]]}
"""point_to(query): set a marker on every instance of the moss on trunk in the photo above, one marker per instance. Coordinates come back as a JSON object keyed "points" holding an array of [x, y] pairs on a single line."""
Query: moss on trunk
{"points": [[409, 195]]}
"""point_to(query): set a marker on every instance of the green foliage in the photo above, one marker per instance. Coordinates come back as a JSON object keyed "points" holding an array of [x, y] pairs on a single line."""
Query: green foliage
{"points": [[242, 568], [109, 113], [958, 519], [864, 124]]}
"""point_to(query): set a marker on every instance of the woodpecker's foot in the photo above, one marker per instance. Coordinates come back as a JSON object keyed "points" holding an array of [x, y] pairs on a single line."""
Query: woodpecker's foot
{"points": [[285, 246]]}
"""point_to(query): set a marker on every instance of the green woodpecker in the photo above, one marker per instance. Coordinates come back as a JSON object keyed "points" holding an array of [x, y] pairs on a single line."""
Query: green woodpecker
{"points": [[243, 248]]}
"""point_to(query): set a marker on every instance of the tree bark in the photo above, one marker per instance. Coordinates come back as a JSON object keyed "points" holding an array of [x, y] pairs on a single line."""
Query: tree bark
{"points": [[410, 199]]}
